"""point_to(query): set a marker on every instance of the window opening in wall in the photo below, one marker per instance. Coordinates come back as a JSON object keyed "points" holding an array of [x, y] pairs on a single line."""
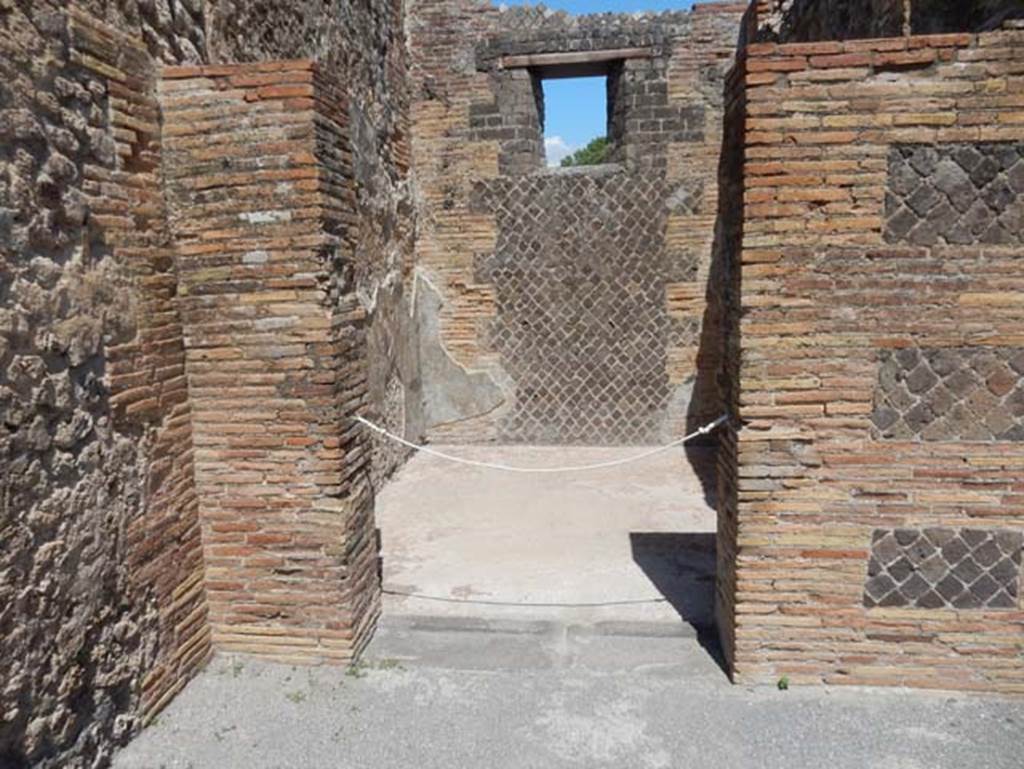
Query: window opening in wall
{"points": [[575, 120]]}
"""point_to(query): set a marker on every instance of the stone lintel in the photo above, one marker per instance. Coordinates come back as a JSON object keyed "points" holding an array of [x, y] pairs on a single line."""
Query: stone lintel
{"points": [[575, 63]]}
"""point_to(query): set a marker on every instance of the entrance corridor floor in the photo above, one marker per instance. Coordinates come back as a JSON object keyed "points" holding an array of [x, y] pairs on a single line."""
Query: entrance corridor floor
{"points": [[630, 547]]}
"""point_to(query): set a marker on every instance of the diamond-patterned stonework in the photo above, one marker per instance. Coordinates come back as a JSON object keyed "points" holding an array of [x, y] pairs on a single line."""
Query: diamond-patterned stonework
{"points": [[950, 394], [957, 194], [581, 325], [938, 568]]}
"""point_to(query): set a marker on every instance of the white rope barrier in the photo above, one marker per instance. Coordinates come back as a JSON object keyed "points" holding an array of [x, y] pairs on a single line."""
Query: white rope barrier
{"points": [[568, 469]]}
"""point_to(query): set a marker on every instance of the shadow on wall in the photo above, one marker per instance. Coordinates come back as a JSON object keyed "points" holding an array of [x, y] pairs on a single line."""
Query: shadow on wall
{"points": [[702, 454], [682, 567], [714, 389]]}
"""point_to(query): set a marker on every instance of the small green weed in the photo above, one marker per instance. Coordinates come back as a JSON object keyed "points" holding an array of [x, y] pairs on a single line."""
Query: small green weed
{"points": [[356, 670], [359, 669]]}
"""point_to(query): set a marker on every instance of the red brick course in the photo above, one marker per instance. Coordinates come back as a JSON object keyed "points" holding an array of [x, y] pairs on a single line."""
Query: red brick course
{"points": [[147, 372], [822, 293], [259, 178]]}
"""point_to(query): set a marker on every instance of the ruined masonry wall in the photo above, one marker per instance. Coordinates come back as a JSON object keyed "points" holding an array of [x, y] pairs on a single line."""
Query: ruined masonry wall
{"points": [[880, 504], [192, 312], [102, 606], [103, 609], [796, 21], [559, 307], [802, 21]]}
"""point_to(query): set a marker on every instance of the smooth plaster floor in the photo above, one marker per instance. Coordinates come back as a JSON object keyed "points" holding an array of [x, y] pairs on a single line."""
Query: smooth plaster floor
{"points": [[629, 544]]}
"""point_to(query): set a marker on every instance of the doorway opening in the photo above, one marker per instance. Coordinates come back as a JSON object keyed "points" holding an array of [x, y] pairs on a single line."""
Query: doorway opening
{"points": [[569, 358]]}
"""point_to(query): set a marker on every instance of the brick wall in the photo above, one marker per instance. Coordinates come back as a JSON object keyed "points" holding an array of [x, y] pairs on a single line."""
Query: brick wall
{"points": [[488, 252], [718, 356], [260, 181], [102, 605], [879, 494], [364, 45], [148, 390]]}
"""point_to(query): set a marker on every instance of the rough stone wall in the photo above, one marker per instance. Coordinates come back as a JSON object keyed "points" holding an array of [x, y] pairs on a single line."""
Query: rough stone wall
{"points": [[260, 181], [102, 609], [363, 45], [801, 21], [798, 21], [938, 16], [880, 504], [509, 333]]}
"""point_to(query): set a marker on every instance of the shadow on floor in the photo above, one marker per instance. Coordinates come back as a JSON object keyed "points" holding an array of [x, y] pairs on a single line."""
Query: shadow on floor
{"points": [[682, 567]]}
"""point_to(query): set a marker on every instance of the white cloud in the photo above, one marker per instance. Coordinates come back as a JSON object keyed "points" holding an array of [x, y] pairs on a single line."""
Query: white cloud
{"points": [[556, 148]]}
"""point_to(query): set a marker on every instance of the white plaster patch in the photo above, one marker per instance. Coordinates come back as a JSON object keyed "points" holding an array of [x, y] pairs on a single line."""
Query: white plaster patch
{"points": [[255, 257], [368, 297], [270, 324], [265, 217]]}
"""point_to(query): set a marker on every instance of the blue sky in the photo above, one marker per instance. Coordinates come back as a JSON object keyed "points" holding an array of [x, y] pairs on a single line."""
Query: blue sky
{"points": [[575, 108]]}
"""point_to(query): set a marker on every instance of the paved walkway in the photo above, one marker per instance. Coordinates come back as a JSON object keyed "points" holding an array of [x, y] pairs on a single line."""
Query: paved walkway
{"points": [[593, 708]]}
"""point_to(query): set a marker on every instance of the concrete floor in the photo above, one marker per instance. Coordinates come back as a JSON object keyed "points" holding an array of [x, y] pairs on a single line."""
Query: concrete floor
{"points": [[390, 714], [631, 544]]}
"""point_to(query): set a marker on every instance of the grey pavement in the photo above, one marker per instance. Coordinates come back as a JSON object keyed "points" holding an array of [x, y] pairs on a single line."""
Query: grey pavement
{"points": [[549, 695]]}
